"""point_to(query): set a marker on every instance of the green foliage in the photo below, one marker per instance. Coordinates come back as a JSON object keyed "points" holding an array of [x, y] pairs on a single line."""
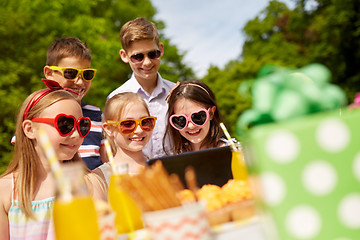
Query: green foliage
{"points": [[328, 34], [28, 27]]}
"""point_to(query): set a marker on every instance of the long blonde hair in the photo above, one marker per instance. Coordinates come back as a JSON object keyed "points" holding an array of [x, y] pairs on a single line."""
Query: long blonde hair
{"points": [[25, 160]]}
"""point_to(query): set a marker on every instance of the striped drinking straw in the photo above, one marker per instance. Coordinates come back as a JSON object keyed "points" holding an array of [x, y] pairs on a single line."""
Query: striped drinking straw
{"points": [[232, 144], [48, 149], [110, 154], [132, 234]]}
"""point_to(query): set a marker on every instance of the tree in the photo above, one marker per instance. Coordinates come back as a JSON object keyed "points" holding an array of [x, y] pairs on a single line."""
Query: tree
{"points": [[327, 33], [28, 27]]}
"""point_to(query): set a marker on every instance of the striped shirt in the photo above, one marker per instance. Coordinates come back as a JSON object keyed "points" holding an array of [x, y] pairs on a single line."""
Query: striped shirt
{"points": [[90, 149], [21, 227]]}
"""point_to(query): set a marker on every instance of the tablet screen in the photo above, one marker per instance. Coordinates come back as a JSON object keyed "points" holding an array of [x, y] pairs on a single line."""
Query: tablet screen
{"points": [[212, 166]]}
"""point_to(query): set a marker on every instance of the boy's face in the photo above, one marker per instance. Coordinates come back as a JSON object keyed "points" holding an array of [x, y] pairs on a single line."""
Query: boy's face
{"points": [[79, 85], [145, 70]]}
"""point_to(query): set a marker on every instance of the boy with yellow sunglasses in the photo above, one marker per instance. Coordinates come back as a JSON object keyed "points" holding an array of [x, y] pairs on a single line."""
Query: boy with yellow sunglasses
{"points": [[68, 62]]}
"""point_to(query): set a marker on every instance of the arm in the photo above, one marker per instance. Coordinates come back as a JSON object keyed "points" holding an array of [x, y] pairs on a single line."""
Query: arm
{"points": [[97, 187], [99, 173], [4, 223], [5, 199]]}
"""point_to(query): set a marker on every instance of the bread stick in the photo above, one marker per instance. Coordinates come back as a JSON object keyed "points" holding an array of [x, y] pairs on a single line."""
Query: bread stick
{"points": [[176, 182], [190, 178]]}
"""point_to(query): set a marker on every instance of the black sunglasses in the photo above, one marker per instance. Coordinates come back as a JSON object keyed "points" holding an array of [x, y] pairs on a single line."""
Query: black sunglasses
{"points": [[139, 57]]}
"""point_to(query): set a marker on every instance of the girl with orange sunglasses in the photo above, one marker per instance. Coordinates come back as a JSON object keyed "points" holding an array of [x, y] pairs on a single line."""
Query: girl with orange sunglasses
{"points": [[128, 127]]}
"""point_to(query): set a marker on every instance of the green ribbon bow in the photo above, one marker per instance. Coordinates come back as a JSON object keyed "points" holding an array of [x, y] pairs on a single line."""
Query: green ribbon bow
{"points": [[280, 94]]}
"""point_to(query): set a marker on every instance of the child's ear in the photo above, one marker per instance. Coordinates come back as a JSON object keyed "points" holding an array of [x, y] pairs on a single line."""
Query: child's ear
{"points": [[28, 129], [108, 129], [49, 74], [212, 112], [161, 46], [123, 56]]}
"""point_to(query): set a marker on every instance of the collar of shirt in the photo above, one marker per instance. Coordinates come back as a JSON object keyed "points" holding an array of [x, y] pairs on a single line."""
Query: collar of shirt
{"points": [[158, 90]]}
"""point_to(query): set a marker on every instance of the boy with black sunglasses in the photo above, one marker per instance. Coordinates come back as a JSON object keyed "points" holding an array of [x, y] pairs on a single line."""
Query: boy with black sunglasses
{"points": [[68, 62], [142, 50]]}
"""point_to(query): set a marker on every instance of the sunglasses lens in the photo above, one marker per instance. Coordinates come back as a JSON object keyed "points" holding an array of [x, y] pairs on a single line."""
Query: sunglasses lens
{"points": [[154, 54], [148, 124], [137, 57], [199, 118], [70, 73], [127, 127], [84, 126], [89, 74], [65, 124], [179, 122]]}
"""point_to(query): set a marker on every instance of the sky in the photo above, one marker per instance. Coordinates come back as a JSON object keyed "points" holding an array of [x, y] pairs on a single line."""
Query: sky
{"points": [[209, 31]]}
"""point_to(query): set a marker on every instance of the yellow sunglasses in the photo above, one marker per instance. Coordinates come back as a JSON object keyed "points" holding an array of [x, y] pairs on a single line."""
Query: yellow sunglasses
{"points": [[70, 74]]}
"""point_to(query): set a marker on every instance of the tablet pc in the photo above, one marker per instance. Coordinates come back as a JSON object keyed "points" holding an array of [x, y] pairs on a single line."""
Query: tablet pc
{"points": [[212, 166]]}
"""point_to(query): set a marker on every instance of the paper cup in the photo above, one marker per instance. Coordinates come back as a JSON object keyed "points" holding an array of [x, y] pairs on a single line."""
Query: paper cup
{"points": [[141, 234], [185, 222], [107, 227]]}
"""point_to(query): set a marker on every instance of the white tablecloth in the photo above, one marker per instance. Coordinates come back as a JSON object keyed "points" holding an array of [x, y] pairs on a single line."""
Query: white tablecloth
{"points": [[249, 230]]}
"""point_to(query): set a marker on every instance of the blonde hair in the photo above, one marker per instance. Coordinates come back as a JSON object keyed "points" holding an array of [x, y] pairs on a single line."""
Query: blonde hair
{"points": [[25, 160], [115, 107], [138, 29]]}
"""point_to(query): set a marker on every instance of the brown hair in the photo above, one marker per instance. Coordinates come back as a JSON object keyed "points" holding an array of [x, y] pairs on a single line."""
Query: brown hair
{"points": [[66, 47], [199, 92], [115, 106], [138, 29], [25, 160]]}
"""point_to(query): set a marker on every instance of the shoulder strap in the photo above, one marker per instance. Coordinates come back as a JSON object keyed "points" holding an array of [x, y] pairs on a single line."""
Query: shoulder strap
{"points": [[12, 186]]}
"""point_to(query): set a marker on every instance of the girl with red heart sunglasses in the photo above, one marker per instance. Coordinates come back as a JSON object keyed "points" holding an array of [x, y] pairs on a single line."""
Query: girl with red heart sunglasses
{"points": [[27, 189]]}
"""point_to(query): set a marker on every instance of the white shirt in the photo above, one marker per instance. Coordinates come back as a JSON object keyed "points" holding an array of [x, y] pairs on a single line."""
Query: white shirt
{"points": [[157, 107]]}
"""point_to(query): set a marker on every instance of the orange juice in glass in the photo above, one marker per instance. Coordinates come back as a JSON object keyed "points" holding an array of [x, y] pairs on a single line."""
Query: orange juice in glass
{"points": [[76, 219], [128, 215], [238, 166], [74, 213]]}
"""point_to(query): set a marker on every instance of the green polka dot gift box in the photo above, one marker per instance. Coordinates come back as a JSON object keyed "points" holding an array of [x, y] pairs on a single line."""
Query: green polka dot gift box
{"points": [[308, 170]]}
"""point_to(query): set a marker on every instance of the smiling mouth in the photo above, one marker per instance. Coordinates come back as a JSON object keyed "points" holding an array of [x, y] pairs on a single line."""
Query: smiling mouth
{"points": [[194, 133], [79, 91], [70, 146], [137, 139], [147, 69]]}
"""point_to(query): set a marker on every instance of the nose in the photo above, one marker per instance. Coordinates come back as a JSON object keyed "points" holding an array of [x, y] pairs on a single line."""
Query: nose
{"points": [[138, 128], [79, 79], [75, 133], [190, 125], [147, 60]]}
